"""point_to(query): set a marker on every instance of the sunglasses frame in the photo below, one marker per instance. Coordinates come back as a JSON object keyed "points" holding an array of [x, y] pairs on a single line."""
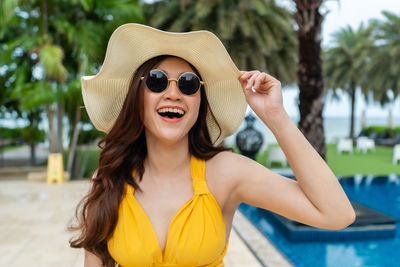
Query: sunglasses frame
{"points": [[176, 80]]}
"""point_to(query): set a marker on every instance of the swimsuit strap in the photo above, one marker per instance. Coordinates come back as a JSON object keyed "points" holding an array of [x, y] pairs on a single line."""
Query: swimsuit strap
{"points": [[197, 169]]}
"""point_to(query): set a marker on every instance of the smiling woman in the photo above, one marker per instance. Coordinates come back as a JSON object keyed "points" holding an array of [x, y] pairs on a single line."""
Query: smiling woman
{"points": [[178, 110], [165, 190]]}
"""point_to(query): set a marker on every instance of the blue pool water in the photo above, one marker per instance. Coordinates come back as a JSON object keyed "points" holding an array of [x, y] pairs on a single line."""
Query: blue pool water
{"points": [[384, 197]]}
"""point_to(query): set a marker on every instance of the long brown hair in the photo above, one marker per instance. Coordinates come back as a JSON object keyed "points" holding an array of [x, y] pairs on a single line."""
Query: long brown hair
{"points": [[122, 151]]}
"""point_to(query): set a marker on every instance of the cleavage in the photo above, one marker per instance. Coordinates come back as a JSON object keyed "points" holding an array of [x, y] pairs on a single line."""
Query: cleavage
{"points": [[161, 208]]}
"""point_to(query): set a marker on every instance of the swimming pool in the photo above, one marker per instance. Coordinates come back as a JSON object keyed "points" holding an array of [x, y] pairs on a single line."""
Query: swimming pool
{"points": [[379, 193]]}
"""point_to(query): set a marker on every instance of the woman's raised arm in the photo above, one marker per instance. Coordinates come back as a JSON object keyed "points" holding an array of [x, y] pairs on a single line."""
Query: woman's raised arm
{"points": [[316, 198]]}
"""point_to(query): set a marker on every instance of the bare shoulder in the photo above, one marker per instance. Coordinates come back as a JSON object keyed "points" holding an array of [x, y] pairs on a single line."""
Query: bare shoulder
{"points": [[226, 158], [232, 165], [225, 171]]}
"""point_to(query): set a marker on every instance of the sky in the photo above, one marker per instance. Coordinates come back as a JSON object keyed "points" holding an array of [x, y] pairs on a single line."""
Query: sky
{"points": [[341, 14]]}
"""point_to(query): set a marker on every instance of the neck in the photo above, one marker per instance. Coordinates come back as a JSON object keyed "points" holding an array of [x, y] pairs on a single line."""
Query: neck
{"points": [[166, 161]]}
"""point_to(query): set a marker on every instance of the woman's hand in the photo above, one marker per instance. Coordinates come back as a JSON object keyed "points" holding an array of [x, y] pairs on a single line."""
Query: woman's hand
{"points": [[266, 98]]}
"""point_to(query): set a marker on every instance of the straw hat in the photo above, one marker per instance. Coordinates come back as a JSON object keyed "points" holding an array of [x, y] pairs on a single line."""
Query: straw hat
{"points": [[132, 44]]}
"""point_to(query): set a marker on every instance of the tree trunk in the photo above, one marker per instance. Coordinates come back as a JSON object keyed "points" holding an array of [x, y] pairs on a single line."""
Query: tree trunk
{"points": [[52, 132], [44, 19], [60, 115], [33, 154], [73, 145], [309, 73], [353, 102], [33, 118]]}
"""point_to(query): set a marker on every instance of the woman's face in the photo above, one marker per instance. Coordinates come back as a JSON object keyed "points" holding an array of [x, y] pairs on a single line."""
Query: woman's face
{"points": [[159, 126]]}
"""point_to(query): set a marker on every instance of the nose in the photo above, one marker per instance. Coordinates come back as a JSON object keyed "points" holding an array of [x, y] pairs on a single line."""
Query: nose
{"points": [[172, 91]]}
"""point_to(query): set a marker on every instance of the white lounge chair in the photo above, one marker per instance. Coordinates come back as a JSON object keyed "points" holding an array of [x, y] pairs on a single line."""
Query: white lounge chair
{"points": [[396, 154], [345, 144], [276, 154], [364, 144]]}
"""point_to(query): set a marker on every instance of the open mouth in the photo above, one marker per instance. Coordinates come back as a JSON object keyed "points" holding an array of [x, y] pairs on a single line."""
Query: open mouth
{"points": [[171, 113]]}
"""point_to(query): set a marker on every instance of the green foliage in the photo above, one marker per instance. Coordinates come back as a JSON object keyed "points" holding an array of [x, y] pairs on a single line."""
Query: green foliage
{"points": [[28, 133], [92, 163], [347, 60], [257, 34], [384, 73], [33, 135], [10, 133], [367, 57], [381, 130], [7, 8], [33, 94], [370, 129], [89, 136], [51, 57], [45, 52]]}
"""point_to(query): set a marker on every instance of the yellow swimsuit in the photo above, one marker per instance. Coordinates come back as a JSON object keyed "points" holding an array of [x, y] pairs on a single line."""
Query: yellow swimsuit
{"points": [[196, 236]]}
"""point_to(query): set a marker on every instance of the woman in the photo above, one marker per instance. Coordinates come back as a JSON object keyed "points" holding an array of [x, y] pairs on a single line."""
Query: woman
{"points": [[165, 192]]}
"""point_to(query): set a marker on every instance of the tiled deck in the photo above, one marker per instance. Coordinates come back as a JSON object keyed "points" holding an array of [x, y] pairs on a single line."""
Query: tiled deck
{"points": [[33, 223]]}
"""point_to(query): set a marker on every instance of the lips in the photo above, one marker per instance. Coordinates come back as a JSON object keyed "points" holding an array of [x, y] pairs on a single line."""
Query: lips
{"points": [[171, 113]]}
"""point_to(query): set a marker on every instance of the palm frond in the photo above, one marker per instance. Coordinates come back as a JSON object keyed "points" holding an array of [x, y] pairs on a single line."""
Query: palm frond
{"points": [[51, 57]]}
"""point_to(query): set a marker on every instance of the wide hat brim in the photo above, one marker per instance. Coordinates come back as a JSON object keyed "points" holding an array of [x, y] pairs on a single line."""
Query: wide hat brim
{"points": [[132, 44]]}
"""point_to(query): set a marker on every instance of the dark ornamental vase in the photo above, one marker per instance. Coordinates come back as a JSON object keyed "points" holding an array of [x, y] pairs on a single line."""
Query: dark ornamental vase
{"points": [[249, 140]]}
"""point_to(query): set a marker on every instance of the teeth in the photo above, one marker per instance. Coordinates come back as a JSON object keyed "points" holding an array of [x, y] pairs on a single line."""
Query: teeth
{"points": [[174, 110]]}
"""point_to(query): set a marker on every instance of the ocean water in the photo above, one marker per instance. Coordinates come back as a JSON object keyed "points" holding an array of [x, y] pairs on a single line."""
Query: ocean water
{"points": [[334, 128]]}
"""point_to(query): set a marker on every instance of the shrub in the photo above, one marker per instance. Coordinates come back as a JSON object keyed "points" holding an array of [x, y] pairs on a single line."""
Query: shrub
{"points": [[10, 133], [89, 136], [382, 131]]}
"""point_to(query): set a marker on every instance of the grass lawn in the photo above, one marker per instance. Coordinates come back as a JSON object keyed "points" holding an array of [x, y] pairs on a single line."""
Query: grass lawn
{"points": [[377, 163]]}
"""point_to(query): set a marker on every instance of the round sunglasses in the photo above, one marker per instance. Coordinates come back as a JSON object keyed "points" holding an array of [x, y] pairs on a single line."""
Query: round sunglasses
{"points": [[188, 82]]}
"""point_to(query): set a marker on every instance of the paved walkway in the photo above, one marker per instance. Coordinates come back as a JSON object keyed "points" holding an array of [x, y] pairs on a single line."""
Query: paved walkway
{"points": [[33, 223]]}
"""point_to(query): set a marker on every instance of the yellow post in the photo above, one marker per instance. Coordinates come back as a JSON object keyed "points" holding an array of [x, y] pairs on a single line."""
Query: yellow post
{"points": [[55, 168]]}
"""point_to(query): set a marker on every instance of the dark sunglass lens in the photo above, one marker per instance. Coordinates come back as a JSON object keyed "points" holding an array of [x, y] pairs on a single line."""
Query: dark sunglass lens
{"points": [[157, 81], [189, 83]]}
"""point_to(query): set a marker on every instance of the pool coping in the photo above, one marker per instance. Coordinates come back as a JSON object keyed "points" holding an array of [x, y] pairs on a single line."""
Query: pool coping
{"points": [[263, 249]]}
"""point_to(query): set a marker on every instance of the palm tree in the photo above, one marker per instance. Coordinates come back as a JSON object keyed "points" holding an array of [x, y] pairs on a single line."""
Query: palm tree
{"points": [[61, 47], [309, 72], [257, 34], [384, 72], [347, 62]]}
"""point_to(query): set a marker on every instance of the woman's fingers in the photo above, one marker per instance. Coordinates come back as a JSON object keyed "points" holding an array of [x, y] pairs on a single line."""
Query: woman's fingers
{"points": [[246, 74], [248, 79], [250, 82], [259, 80]]}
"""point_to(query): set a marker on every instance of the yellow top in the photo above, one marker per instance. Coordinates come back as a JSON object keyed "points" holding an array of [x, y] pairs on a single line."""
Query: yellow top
{"points": [[196, 235]]}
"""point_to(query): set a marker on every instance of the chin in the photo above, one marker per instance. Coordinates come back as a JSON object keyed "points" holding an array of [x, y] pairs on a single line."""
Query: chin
{"points": [[171, 141], [170, 137]]}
